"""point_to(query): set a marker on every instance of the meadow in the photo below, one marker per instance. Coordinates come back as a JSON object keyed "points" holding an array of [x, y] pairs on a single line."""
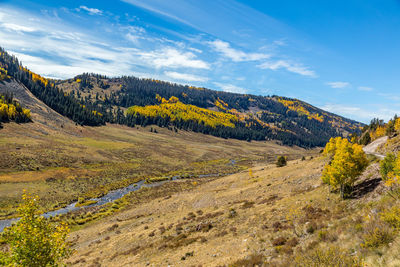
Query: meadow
{"points": [[62, 163]]}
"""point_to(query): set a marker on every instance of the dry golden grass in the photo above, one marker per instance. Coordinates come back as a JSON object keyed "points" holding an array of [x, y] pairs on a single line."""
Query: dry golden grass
{"points": [[212, 224], [64, 163]]}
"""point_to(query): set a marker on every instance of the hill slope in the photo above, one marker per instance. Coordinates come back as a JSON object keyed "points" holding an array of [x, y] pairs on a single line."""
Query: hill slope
{"points": [[291, 121], [61, 161], [93, 100]]}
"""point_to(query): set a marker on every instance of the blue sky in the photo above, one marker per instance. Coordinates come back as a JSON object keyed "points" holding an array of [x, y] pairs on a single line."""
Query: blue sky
{"points": [[342, 56]]}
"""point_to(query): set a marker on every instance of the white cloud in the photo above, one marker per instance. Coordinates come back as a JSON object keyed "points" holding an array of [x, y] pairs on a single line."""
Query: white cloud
{"points": [[393, 97], [347, 110], [134, 33], [195, 50], [62, 52], [236, 55], [91, 11], [18, 28], [338, 84], [173, 58], [360, 113], [185, 76], [230, 88], [289, 66], [144, 5], [133, 38], [279, 43], [365, 88]]}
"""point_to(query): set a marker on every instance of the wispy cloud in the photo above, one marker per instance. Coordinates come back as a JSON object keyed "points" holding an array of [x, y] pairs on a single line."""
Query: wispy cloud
{"points": [[59, 52], [365, 88], [289, 66], [91, 11], [185, 77], [230, 88], [173, 58], [338, 84], [234, 54], [57, 47], [17, 28], [359, 113], [389, 96]]}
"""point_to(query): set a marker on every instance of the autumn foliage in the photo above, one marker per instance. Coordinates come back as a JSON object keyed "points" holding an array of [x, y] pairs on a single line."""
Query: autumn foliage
{"points": [[347, 162], [176, 110], [11, 110], [34, 240], [298, 106]]}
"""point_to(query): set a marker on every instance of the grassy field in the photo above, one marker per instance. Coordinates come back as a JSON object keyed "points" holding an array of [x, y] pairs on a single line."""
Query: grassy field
{"points": [[268, 215], [63, 162], [209, 224]]}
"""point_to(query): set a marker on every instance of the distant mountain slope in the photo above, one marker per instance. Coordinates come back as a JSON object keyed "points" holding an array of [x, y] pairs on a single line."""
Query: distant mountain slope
{"points": [[291, 121], [91, 99]]}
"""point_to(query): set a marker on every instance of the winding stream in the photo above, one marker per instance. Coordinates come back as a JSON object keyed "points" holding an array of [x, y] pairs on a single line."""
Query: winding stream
{"points": [[109, 197]]}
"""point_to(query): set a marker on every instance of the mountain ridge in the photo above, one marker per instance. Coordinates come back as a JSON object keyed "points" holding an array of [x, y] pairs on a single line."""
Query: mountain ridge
{"points": [[93, 99]]}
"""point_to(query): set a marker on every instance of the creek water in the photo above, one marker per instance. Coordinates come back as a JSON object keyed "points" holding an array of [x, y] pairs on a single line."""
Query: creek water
{"points": [[109, 197]]}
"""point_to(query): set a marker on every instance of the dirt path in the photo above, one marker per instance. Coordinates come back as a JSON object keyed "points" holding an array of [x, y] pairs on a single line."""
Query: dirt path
{"points": [[372, 147]]}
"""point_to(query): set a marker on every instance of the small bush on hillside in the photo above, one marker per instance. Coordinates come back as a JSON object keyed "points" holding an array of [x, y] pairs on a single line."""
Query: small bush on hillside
{"points": [[333, 256], [281, 161], [279, 241], [34, 240], [387, 166], [365, 139], [378, 236], [249, 261], [326, 236], [391, 216]]}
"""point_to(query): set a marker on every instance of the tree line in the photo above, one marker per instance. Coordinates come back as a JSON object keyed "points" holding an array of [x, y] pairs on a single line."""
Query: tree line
{"points": [[274, 119]]}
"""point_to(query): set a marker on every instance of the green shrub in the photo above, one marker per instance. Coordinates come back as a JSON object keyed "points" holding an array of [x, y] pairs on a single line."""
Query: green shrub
{"points": [[391, 216], [387, 165], [332, 256], [378, 236], [281, 161], [34, 240]]}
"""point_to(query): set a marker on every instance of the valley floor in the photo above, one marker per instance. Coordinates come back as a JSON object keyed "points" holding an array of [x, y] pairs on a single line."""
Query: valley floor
{"points": [[213, 223], [264, 216], [62, 163]]}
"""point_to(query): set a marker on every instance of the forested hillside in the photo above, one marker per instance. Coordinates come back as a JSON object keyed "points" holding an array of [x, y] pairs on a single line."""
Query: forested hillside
{"points": [[92, 99], [46, 91], [134, 101]]}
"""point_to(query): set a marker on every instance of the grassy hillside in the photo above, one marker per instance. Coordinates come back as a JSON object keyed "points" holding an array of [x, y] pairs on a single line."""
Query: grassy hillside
{"points": [[64, 162], [268, 216]]}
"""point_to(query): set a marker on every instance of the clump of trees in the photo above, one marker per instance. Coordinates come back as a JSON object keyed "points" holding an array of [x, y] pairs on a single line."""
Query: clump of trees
{"points": [[377, 128], [281, 161], [347, 162], [175, 110], [11, 110], [34, 240]]}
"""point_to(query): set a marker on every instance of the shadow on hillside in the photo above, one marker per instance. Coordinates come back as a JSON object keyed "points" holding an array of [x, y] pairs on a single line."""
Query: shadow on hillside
{"points": [[365, 187]]}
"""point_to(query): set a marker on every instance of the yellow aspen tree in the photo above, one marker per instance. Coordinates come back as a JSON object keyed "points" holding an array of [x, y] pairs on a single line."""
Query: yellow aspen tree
{"points": [[347, 163]]}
